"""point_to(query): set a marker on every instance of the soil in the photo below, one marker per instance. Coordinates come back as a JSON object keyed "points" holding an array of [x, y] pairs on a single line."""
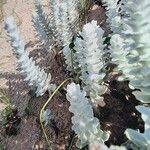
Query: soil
{"points": [[119, 113], [116, 116]]}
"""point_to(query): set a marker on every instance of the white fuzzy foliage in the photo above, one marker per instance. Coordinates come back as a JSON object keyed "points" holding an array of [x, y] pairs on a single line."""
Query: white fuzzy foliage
{"points": [[42, 26], [89, 51], [70, 58], [64, 19], [73, 14], [14, 34], [85, 125], [137, 38], [136, 41], [117, 49], [55, 21], [114, 147], [118, 53], [65, 23], [66, 31], [142, 140], [114, 18], [59, 27], [34, 75]]}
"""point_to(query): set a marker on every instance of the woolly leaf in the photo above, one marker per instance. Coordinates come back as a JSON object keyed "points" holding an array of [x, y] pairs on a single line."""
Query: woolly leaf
{"points": [[42, 25], [145, 113], [137, 138], [142, 140], [136, 37], [66, 31], [14, 34], [119, 56], [34, 75], [114, 16], [64, 21], [89, 52], [85, 125]]}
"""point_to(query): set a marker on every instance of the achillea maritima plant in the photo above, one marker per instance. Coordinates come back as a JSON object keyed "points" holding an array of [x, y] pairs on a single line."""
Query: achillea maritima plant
{"points": [[42, 26], [135, 41], [130, 51], [59, 27], [119, 54], [114, 15], [85, 125], [63, 19], [137, 38], [34, 75], [142, 140], [89, 51]]}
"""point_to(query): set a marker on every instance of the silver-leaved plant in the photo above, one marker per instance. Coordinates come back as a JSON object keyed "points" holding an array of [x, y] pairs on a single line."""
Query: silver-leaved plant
{"points": [[89, 52], [35, 76], [85, 125]]}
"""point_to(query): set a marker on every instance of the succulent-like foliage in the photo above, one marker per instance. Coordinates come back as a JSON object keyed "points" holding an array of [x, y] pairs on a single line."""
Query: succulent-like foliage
{"points": [[14, 34], [34, 75], [119, 53], [73, 13], [70, 26], [142, 140], [42, 26], [117, 49], [55, 20], [113, 14], [60, 27], [67, 35], [85, 125], [134, 43], [63, 19], [70, 58], [66, 31], [137, 23], [137, 42], [114, 147], [89, 50]]}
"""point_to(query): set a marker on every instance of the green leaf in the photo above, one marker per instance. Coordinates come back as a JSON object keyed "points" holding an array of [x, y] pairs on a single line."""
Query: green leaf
{"points": [[7, 111]]}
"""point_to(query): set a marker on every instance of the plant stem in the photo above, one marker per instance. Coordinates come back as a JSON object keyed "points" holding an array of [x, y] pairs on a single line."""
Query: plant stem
{"points": [[44, 106]]}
